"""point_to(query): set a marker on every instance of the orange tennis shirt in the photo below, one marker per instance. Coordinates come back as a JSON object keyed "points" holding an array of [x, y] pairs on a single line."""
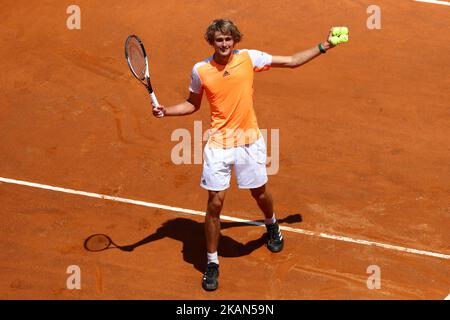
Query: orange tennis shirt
{"points": [[229, 89]]}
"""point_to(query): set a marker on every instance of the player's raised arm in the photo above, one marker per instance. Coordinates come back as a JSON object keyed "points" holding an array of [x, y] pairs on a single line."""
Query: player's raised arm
{"points": [[336, 36], [191, 105]]}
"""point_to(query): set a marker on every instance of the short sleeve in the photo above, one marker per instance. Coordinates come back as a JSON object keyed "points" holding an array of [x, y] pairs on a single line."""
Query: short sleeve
{"points": [[196, 83], [261, 60]]}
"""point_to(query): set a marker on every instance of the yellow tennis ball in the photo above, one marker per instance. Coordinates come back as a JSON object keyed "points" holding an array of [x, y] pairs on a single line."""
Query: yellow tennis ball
{"points": [[335, 31], [343, 38], [334, 40], [344, 30]]}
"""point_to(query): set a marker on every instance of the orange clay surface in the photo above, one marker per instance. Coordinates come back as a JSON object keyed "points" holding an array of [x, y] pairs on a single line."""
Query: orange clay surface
{"points": [[364, 152]]}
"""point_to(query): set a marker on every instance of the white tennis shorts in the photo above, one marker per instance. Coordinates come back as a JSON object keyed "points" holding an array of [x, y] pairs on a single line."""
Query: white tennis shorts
{"points": [[249, 162]]}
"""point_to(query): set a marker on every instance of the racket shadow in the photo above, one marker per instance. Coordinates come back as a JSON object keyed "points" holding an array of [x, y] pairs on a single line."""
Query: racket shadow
{"points": [[191, 234]]}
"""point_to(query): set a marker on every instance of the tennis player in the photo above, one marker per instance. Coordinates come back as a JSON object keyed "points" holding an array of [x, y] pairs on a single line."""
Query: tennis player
{"points": [[226, 77]]}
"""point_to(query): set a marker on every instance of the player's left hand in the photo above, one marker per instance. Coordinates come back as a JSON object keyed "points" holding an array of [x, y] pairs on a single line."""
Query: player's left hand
{"points": [[337, 35], [330, 34]]}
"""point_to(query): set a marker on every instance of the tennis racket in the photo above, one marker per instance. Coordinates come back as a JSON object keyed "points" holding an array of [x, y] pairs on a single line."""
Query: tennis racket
{"points": [[100, 242], [138, 63]]}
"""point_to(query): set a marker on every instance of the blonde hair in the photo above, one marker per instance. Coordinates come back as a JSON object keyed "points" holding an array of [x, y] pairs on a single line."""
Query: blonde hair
{"points": [[224, 26]]}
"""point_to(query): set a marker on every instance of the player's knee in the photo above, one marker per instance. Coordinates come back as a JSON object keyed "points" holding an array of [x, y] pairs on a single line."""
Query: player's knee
{"points": [[215, 206], [259, 194]]}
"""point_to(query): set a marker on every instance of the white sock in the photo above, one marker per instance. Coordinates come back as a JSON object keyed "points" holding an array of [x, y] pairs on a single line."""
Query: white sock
{"points": [[271, 220], [212, 257]]}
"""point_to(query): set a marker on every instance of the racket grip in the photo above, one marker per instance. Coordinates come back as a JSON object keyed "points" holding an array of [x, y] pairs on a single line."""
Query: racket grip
{"points": [[154, 100]]}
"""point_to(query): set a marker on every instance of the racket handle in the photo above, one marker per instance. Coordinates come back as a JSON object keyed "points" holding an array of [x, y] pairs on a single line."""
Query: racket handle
{"points": [[154, 100]]}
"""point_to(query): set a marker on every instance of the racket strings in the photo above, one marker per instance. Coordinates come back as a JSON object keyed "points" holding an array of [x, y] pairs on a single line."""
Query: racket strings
{"points": [[136, 58]]}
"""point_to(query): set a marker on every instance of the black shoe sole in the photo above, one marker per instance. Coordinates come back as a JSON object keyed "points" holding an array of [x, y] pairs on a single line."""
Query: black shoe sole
{"points": [[211, 287], [276, 250]]}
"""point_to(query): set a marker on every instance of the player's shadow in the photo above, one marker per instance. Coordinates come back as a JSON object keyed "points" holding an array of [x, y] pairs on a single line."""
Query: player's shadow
{"points": [[192, 235]]}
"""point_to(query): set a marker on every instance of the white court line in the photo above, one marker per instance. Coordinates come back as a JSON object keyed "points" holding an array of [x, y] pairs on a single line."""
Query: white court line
{"points": [[447, 297], [445, 3], [201, 213]]}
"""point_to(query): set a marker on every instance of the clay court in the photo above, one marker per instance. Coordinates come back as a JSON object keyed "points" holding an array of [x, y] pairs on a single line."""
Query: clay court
{"points": [[364, 154]]}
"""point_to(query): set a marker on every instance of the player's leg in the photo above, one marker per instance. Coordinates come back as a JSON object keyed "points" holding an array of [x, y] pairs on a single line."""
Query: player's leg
{"points": [[264, 200], [212, 220], [251, 174], [275, 242], [212, 233], [216, 179]]}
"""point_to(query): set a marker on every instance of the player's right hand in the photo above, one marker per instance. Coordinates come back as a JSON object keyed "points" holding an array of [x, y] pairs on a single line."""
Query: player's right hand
{"points": [[159, 111]]}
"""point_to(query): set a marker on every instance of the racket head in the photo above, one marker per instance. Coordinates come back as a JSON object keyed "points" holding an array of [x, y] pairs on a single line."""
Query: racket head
{"points": [[97, 242], [137, 58]]}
